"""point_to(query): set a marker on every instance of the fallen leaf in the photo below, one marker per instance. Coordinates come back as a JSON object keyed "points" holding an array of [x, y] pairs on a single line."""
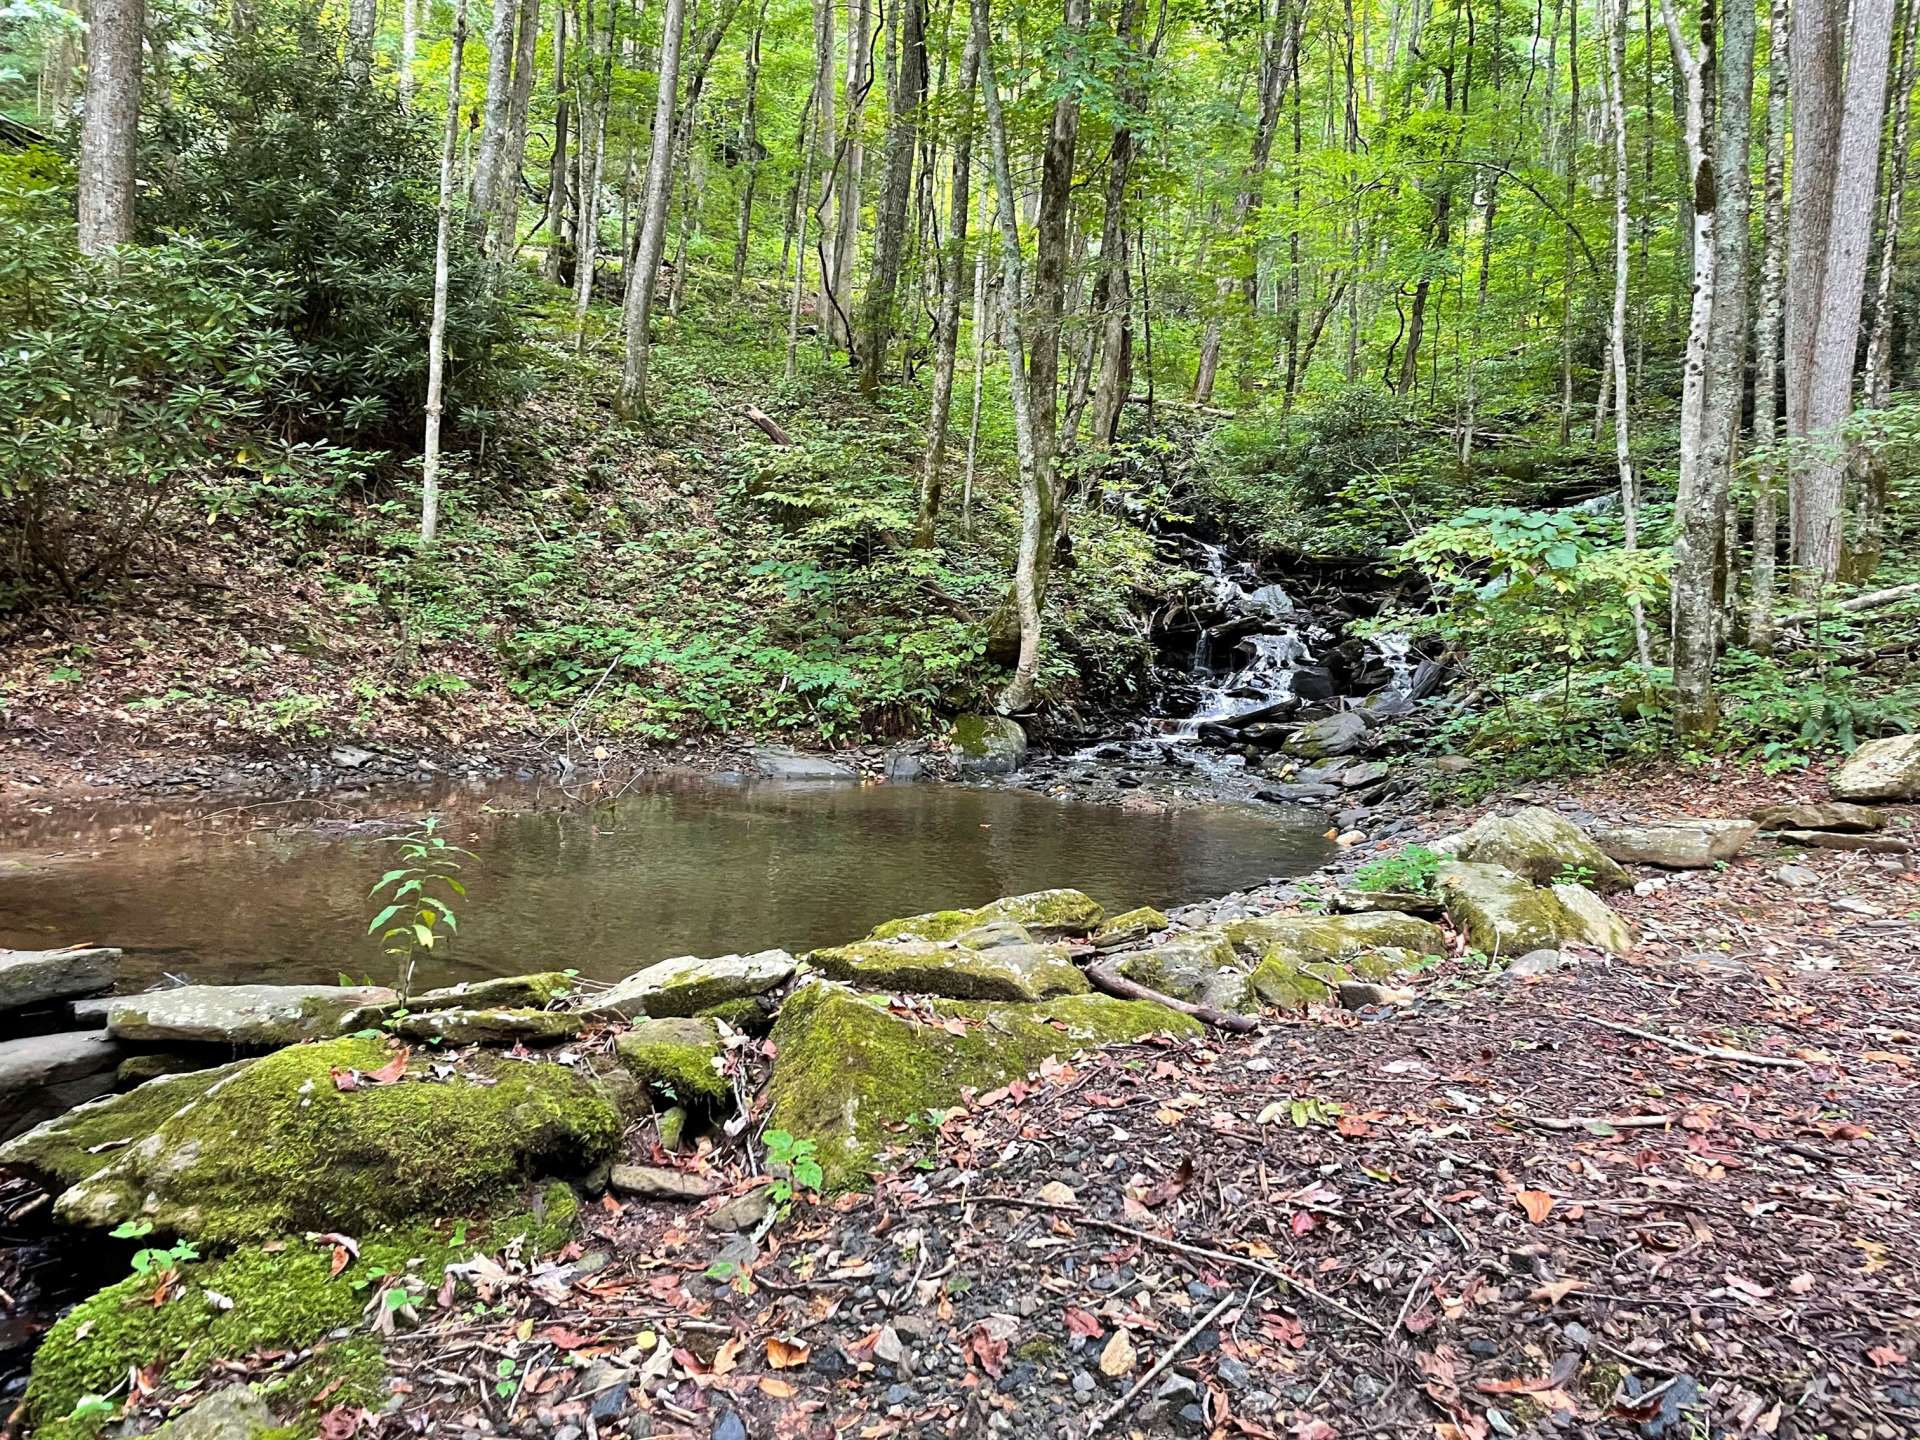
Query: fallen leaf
{"points": [[1119, 1357], [390, 1072], [990, 1354], [787, 1354], [1171, 1187], [1886, 1357], [774, 1386], [1535, 1202], [1555, 1291], [1056, 1193], [562, 1338], [728, 1355], [1081, 1323]]}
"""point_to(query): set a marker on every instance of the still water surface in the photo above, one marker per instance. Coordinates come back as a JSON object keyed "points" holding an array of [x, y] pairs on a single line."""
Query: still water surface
{"points": [[677, 867]]}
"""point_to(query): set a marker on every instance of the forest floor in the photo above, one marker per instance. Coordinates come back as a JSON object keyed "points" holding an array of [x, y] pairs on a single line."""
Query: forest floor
{"points": [[1494, 1210]]}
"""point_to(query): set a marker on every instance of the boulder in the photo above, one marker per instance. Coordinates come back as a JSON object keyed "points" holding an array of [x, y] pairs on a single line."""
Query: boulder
{"points": [[45, 1075], [657, 1182], [848, 1072], [235, 1413], [503, 1028], [676, 1056], [777, 762], [1540, 846], [1046, 914], [1675, 844], [903, 767], [1502, 914], [689, 984], [152, 1064], [1843, 840], [246, 1016], [1369, 772], [1363, 994], [1129, 926], [1298, 960], [1816, 815], [507, 992], [1198, 965], [988, 745], [1536, 963], [81, 1141], [1340, 734], [1886, 769], [313, 1137], [1004, 972], [37, 977], [1298, 794], [993, 935]]}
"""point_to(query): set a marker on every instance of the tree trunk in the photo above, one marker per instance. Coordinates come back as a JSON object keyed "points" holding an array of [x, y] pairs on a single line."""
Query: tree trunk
{"points": [[1766, 342], [979, 378], [483, 196], [750, 149], [645, 266], [896, 190], [947, 321], [363, 20], [802, 212], [110, 127], [553, 263], [513, 161], [409, 47], [838, 314], [596, 100], [442, 245], [1049, 300], [1035, 529]]}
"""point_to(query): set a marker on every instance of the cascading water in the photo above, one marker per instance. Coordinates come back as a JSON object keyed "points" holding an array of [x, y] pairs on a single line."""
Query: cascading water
{"points": [[1395, 651]]}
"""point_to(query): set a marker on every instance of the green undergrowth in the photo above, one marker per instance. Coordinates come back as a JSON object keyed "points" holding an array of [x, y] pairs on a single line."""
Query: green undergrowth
{"points": [[277, 1298]]}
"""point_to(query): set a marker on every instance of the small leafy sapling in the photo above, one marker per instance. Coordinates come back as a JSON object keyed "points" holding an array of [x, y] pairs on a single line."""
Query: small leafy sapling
{"points": [[793, 1165], [154, 1259], [418, 910]]}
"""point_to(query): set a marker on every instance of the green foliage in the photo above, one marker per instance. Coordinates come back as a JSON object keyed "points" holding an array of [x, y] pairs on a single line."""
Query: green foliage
{"points": [[1410, 870], [794, 1163], [418, 911]]}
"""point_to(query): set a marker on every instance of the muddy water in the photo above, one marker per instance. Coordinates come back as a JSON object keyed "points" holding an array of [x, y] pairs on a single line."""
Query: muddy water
{"points": [[276, 891]]}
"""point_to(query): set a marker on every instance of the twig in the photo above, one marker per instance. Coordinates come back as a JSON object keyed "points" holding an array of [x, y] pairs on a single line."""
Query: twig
{"points": [[1407, 1304], [1441, 1215], [1585, 1122], [1259, 1267], [1711, 1052], [1167, 1358], [1116, 984]]}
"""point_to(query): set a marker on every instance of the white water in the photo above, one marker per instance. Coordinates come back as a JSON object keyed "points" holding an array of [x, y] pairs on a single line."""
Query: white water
{"points": [[1395, 650]]}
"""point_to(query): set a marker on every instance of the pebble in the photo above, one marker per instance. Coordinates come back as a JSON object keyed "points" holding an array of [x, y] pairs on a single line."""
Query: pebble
{"points": [[1233, 1373], [1798, 876], [1082, 1383]]}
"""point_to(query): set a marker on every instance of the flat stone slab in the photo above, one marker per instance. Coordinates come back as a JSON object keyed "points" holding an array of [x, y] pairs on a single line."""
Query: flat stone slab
{"points": [[490, 1027], [243, 1015], [1819, 815], [1045, 914], [1885, 769], [38, 977], [657, 1182], [779, 763], [679, 1055], [689, 984], [1842, 840], [1675, 844], [46, 1075], [956, 971]]}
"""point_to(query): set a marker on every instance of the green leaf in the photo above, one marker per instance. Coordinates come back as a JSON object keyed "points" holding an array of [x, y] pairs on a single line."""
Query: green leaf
{"points": [[382, 918]]}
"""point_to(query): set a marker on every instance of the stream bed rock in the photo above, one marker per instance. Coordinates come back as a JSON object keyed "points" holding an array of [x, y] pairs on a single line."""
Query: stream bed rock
{"points": [[1501, 913], [954, 971], [248, 1016], [1044, 914], [1538, 845], [36, 977], [689, 984], [1675, 844], [1884, 769]]}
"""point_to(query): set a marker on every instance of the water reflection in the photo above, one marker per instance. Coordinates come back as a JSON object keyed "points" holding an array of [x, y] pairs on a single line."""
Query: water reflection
{"points": [[671, 868]]}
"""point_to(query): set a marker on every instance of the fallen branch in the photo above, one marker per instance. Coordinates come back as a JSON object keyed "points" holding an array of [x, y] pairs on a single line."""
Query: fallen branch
{"points": [[1587, 1122], [1115, 983], [1172, 1353], [1226, 1257], [1874, 599], [768, 425], [1710, 1052]]}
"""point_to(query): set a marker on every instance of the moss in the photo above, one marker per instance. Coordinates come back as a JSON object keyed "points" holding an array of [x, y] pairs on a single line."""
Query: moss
{"points": [[138, 1069], [1502, 914], [1130, 925], [352, 1371], [514, 992], [1007, 972], [490, 1027], [70, 1147], [970, 734], [1044, 912], [847, 1069], [750, 1013], [280, 1147], [1334, 937], [284, 1297], [1287, 984], [1200, 965], [676, 1056]]}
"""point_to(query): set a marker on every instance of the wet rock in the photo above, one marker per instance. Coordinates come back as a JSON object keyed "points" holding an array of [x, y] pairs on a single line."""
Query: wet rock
{"points": [[1817, 815], [1125, 929], [1046, 915], [676, 1056], [1540, 846], [1502, 914], [488, 1027], [279, 1145], [656, 1182], [1006, 972], [1199, 965], [777, 762], [46, 1075], [1886, 769], [1298, 794], [985, 745], [37, 977], [1675, 844], [1340, 734], [248, 1016], [688, 984], [235, 1413], [72, 1145], [508, 992], [903, 767], [847, 1070]]}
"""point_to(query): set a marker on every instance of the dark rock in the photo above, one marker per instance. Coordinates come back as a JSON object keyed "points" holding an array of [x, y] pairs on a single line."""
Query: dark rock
{"points": [[1298, 794], [35, 977], [1339, 734], [1839, 840]]}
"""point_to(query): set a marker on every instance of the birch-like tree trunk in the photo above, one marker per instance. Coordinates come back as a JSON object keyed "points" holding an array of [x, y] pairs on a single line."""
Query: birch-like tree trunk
{"points": [[837, 313], [513, 160], [947, 321], [644, 268], [1617, 329], [896, 190], [596, 100], [110, 124], [442, 246], [553, 263], [409, 47], [750, 148], [1766, 341], [363, 21], [495, 111]]}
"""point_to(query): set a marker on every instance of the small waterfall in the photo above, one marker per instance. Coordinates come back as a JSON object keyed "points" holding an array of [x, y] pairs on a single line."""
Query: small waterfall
{"points": [[1395, 650]]}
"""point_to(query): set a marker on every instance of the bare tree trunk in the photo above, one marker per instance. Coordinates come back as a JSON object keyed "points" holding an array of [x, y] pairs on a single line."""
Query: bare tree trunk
{"points": [[1876, 384], [750, 149], [1766, 342], [1035, 531], [442, 246], [802, 213], [409, 47], [363, 20], [1836, 121], [837, 316], [1114, 293], [110, 126], [979, 378], [1049, 302], [596, 100], [826, 58], [1566, 235], [947, 322], [483, 196], [896, 190], [553, 263], [645, 267], [513, 161]]}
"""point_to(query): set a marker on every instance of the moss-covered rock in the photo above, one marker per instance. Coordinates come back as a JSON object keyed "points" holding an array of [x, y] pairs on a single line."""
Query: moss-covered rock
{"points": [[248, 1016], [847, 1070], [1540, 846], [1047, 915], [987, 745], [281, 1146], [688, 984], [1005, 972], [676, 1056], [1129, 926], [138, 1069], [1287, 982], [1501, 914], [538, 991], [1307, 938], [68, 1148], [488, 1027], [752, 1014], [1200, 965], [283, 1297]]}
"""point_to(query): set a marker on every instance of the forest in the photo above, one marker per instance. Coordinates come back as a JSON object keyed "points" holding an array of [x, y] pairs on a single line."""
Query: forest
{"points": [[951, 311]]}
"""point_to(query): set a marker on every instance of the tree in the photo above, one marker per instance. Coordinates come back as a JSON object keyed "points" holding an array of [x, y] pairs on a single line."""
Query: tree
{"points": [[1766, 340], [1617, 331], [442, 246], [496, 119], [109, 132], [552, 264], [896, 187], [643, 268], [947, 321]]}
